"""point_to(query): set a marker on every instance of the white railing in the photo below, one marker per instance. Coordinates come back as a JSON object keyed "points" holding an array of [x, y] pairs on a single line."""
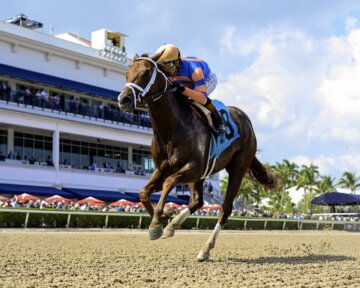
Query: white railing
{"points": [[347, 225]]}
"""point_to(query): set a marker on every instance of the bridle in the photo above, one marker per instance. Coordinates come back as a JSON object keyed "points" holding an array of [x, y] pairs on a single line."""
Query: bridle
{"points": [[140, 93]]}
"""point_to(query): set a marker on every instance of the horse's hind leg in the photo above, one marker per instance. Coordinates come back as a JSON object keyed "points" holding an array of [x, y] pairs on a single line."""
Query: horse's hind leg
{"points": [[236, 169], [196, 202]]}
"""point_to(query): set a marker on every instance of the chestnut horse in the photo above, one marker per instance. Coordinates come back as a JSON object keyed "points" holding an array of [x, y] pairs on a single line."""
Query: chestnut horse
{"points": [[180, 148]]}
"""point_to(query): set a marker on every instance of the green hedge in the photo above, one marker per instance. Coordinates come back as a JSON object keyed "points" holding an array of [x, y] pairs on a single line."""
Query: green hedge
{"points": [[47, 221], [17, 220], [12, 220]]}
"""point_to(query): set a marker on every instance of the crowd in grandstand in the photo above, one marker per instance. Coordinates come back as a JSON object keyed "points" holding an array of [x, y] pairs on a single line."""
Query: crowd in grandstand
{"points": [[39, 97]]}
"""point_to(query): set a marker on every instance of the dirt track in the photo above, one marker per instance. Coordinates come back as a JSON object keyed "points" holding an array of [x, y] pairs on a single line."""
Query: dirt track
{"points": [[128, 259]]}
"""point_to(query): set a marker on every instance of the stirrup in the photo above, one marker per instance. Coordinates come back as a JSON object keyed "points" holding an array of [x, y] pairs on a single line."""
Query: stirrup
{"points": [[221, 129]]}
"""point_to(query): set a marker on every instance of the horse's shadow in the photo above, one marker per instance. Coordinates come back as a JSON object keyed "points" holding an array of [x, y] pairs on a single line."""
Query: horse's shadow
{"points": [[293, 260]]}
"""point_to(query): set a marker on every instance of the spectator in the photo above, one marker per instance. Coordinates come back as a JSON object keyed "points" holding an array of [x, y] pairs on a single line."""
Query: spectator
{"points": [[38, 97], [2, 156], [49, 161], [65, 162], [139, 171], [84, 207], [100, 110], [11, 155], [14, 202], [119, 168], [78, 105], [2, 91], [32, 160], [28, 96], [210, 189], [44, 97], [55, 99], [37, 204], [6, 91], [108, 167], [93, 167], [18, 157], [72, 105]]}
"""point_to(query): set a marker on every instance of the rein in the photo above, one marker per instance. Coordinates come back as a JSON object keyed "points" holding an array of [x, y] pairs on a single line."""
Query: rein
{"points": [[142, 92]]}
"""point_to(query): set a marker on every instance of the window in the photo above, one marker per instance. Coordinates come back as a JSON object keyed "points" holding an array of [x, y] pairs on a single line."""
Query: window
{"points": [[30, 145], [143, 159], [82, 154], [3, 142]]}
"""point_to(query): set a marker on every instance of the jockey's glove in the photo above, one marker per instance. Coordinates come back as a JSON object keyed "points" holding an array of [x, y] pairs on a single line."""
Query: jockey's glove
{"points": [[179, 86]]}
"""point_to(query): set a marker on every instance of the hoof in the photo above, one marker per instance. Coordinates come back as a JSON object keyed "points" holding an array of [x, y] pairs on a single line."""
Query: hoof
{"points": [[203, 256], [156, 232], [168, 233]]}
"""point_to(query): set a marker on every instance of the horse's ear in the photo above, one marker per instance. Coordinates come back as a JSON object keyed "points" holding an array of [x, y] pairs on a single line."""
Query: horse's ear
{"points": [[136, 56], [156, 56]]}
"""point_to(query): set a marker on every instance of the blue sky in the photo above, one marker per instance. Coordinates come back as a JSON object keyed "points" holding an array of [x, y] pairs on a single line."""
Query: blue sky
{"points": [[293, 66]]}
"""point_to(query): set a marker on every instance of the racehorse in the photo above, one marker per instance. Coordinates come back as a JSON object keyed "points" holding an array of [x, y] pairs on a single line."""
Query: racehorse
{"points": [[180, 148]]}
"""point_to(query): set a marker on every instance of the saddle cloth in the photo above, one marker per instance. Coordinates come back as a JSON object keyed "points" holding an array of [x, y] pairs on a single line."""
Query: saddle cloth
{"points": [[218, 144]]}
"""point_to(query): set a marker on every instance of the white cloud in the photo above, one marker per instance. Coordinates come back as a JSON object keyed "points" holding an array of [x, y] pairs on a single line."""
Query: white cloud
{"points": [[351, 23], [331, 164], [300, 92]]}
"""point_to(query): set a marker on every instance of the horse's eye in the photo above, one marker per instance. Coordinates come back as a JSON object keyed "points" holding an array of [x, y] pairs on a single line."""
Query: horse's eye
{"points": [[145, 73]]}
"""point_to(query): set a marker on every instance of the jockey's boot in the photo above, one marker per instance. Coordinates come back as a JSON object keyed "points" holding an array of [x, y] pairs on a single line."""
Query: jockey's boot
{"points": [[218, 121]]}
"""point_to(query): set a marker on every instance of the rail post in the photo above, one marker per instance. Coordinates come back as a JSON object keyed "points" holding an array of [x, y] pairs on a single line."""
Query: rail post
{"points": [[27, 219], [68, 221], [106, 221], [140, 222]]}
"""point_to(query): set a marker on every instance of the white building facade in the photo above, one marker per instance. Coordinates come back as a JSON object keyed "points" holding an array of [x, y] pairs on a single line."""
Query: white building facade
{"points": [[59, 121]]}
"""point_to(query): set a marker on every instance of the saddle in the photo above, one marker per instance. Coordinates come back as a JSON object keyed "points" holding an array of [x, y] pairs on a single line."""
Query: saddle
{"points": [[203, 113]]}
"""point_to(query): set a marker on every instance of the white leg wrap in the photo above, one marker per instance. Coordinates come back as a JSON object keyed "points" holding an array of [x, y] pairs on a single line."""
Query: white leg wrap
{"points": [[214, 235], [179, 219], [204, 253]]}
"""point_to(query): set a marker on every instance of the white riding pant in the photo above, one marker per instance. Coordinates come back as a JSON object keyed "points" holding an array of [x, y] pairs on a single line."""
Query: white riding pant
{"points": [[211, 83]]}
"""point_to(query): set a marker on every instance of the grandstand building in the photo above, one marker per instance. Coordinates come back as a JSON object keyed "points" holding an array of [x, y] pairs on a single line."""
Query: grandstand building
{"points": [[60, 127]]}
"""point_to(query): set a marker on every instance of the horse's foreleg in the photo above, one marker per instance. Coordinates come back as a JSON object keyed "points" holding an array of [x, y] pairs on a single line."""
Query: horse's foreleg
{"points": [[196, 202], [155, 184], [183, 175], [169, 230]]}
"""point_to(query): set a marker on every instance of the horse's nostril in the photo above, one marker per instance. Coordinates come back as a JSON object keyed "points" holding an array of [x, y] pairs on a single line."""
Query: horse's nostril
{"points": [[126, 100]]}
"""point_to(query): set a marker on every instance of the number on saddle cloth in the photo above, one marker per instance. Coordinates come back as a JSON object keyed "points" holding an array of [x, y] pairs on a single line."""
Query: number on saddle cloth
{"points": [[218, 145]]}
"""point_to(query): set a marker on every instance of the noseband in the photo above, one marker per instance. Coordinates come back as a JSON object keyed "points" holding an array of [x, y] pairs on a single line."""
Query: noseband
{"points": [[139, 92]]}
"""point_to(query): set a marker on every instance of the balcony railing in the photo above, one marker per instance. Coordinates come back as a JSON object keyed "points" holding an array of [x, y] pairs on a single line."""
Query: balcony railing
{"points": [[76, 108]]}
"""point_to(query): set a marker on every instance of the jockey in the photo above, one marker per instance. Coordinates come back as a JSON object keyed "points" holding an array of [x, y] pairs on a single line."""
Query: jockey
{"points": [[195, 74]]}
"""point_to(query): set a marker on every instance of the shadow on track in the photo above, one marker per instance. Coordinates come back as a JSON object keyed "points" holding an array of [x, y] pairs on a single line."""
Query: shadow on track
{"points": [[294, 260]]}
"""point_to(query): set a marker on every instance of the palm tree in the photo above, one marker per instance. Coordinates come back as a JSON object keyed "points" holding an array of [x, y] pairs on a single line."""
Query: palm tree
{"points": [[349, 181], [248, 191], [224, 184], [287, 172], [326, 184], [307, 179]]}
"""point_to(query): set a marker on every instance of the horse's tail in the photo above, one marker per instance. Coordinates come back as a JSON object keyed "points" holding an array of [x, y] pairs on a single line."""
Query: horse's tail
{"points": [[263, 175]]}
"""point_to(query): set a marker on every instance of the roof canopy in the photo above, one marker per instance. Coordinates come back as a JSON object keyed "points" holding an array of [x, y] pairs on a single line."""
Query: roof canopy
{"points": [[100, 194], [33, 190], [336, 198], [56, 81]]}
